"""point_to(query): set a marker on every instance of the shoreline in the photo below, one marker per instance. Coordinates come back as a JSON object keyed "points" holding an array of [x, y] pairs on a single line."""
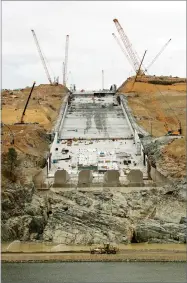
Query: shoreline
{"points": [[126, 256]]}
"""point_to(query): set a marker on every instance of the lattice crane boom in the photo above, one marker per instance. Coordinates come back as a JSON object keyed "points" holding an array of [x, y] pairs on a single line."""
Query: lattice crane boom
{"points": [[156, 57], [123, 50], [65, 60], [132, 54], [41, 56]]}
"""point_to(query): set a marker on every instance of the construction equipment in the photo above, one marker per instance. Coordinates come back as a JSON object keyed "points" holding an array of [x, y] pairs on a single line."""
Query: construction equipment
{"points": [[23, 114], [156, 57], [65, 61], [43, 61], [123, 49], [106, 249], [139, 69], [132, 53]]}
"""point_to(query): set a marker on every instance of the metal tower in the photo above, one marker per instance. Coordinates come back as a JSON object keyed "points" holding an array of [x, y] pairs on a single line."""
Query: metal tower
{"points": [[65, 60]]}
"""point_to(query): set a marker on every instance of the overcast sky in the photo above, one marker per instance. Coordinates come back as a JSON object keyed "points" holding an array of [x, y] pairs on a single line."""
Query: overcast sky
{"points": [[148, 25]]}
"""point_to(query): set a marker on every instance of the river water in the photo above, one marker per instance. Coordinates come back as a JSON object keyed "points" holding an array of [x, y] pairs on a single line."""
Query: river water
{"points": [[93, 272]]}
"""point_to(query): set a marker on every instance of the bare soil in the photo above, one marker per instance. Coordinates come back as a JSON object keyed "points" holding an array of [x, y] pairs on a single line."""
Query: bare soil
{"points": [[125, 256], [153, 105], [30, 140]]}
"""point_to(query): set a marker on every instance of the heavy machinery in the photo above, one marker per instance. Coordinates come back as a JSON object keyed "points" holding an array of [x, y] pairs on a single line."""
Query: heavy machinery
{"points": [[123, 49], [23, 114], [106, 249], [55, 82], [131, 53], [159, 53]]}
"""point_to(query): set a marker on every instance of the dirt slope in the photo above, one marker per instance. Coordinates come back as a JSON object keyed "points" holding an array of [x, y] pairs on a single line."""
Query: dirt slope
{"points": [[155, 100], [30, 140], [42, 108]]}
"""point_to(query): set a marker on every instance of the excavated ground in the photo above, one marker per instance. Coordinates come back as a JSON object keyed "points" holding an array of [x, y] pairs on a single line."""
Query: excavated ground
{"points": [[154, 99], [77, 217], [30, 140]]}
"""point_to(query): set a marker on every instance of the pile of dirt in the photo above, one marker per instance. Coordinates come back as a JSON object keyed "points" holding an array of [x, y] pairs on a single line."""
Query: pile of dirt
{"points": [[154, 101]]}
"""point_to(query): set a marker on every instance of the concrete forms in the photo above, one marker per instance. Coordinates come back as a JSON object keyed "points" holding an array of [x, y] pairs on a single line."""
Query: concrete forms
{"points": [[95, 135]]}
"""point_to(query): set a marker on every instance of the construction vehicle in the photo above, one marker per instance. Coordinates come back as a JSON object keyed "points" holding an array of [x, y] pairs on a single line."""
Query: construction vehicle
{"points": [[55, 82], [27, 102], [106, 249], [174, 132]]}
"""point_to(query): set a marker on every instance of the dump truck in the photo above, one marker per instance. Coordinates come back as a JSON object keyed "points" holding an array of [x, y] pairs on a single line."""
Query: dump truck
{"points": [[106, 249]]}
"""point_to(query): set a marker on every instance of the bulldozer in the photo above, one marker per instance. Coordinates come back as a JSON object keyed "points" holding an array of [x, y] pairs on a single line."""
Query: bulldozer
{"points": [[105, 249]]}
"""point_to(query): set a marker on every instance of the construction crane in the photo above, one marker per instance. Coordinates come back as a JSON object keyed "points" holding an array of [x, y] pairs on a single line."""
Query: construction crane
{"points": [[123, 49], [23, 114], [65, 60], [43, 61], [132, 53], [156, 57], [139, 69]]}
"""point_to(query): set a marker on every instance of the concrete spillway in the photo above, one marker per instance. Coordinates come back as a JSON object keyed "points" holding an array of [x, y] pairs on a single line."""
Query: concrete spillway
{"points": [[95, 126], [89, 117]]}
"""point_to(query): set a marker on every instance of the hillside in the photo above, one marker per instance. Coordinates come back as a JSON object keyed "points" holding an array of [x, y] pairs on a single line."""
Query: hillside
{"points": [[30, 140], [154, 100]]}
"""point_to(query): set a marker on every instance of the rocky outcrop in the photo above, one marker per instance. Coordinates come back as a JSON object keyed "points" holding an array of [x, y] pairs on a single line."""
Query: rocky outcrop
{"points": [[23, 213], [153, 231], [87, 217]]}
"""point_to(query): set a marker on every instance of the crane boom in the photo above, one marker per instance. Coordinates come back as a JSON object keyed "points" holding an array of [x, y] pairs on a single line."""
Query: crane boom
{"points": [[156, 57], [132, 54], [41, 57], [23, 114], [123, 49], [66, 60]]}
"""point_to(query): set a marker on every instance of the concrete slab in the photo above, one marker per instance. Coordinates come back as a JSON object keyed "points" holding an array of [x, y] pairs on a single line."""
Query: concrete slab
{"points": [[90, 117]]}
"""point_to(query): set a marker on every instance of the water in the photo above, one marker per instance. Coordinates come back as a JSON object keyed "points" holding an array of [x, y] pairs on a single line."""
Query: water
{"points": [[93, 272]]}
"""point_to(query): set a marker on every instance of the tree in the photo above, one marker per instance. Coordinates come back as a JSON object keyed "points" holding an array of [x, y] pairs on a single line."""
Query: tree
{"points": [[12, 161]]}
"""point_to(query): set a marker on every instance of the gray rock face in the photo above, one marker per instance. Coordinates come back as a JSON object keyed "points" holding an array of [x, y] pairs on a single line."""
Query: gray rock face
{"points": [[86, 217], [153, 231], [183, 220]]}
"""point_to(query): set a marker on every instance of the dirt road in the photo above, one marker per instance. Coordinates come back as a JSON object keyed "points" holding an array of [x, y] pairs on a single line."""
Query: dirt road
{"points": [[125, 255]]}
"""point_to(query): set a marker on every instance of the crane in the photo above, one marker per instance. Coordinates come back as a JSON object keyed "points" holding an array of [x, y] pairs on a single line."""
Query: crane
{"points": [[132, 54], [23, 114], [122, 48], [65, 60], [139, 69], [156, 57], [43, 61]]}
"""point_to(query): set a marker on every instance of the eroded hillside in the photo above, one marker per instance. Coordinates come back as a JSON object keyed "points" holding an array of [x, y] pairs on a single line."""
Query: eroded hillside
{"points": [[30, 139], [154, 101]]}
